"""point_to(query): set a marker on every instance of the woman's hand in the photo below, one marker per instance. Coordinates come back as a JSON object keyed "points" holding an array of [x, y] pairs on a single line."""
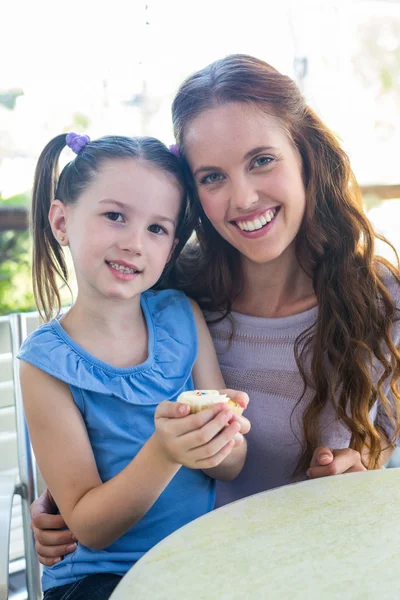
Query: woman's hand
{"points": [[199, 441], [326, 462], [52, 539]]}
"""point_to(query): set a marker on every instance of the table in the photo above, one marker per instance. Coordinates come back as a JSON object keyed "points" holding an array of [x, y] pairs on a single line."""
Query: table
{"points": [[331, 538]]}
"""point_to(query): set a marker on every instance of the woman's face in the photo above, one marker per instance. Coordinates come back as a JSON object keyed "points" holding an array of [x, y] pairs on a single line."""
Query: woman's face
{"points": [[249, 179]]}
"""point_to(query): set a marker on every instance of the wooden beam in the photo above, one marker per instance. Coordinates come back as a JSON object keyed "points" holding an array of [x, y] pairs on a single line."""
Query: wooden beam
{"points": [[384, 192], [14, 218]]}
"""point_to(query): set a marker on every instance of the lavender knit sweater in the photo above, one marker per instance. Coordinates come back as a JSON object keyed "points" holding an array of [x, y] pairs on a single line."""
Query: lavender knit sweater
{"points": [[259, 359]]}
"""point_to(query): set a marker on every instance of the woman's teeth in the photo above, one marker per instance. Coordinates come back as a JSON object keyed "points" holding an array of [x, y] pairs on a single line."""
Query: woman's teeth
{"points": [[121, 268], [259, 222]]}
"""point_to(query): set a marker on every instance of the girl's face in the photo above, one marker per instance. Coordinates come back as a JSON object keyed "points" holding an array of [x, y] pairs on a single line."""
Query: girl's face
{"points": [[249, 179], [121, 232]]}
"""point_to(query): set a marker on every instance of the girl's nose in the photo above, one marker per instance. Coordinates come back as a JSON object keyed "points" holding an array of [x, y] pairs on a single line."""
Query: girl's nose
{"points": [[132, 242]]}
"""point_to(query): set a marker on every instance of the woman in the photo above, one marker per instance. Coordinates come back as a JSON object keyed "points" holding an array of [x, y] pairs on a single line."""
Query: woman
{"points": [[300, 310]]}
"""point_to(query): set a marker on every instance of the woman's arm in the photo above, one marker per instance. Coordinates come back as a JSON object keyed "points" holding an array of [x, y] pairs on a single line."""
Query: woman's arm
{"points": [[207, 375]]}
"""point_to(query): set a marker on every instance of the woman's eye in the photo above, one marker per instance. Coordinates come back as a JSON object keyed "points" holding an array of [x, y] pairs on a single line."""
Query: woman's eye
{"points": [[262, 161], [212, 178], [157, 229], [116, 217]]}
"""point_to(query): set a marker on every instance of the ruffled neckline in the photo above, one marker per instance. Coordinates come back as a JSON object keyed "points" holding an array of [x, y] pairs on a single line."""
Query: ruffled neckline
{"points": [[106, 367], [172, 351]]}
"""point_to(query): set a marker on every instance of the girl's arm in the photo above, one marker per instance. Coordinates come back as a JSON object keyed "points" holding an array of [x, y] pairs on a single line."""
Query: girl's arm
{"points": [[207, 375], [98, 513]]}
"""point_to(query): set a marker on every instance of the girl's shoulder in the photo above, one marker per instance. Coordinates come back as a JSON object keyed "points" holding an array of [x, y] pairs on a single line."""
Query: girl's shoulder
{"points": [[172, 352], [47, 348]]}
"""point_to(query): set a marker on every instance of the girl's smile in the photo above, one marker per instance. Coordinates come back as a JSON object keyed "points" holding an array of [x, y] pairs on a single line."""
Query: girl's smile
{"points": [[123, 270]]}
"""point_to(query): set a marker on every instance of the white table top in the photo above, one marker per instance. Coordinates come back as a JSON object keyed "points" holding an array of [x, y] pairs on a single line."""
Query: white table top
{"points": [[331, 538]]}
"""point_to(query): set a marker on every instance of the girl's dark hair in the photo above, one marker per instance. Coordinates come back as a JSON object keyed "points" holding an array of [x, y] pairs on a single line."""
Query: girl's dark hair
{"points": [[353, 332], [49, 264]]}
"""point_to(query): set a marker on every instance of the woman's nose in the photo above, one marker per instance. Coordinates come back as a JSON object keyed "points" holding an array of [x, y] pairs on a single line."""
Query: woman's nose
{"points": [[243, 195]]}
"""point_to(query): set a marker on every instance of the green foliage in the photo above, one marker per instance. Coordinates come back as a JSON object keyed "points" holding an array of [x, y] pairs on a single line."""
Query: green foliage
{"points": [[15, 272], [8, 98], [81, 121], [377, 62], [22, 199]]}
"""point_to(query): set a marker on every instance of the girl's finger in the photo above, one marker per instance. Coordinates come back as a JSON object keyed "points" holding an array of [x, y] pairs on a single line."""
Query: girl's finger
{"points": [[171, 410], [216, 444], [244, 423], [199, 437], [214, 461], [240, 397], [193, 423]]}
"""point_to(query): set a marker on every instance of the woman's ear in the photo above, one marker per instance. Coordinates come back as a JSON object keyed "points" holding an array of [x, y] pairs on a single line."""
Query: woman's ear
{"points": [[58, 221]]}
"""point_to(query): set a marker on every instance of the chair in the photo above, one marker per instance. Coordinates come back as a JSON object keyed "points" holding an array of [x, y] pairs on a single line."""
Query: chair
{"points": [[25, 483]]}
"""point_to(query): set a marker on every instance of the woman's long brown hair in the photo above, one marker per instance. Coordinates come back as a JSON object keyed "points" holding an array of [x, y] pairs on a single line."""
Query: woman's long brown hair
{"points": [[353, 333]]}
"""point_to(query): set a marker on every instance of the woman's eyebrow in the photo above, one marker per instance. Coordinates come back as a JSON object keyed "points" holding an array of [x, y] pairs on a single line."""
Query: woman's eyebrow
{"points": [[248, 155], [203, 169], [258, 150]]}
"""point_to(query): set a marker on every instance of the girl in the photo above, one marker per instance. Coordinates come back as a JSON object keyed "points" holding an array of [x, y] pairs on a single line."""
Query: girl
{"points": [[302, 313], [125, 467]]}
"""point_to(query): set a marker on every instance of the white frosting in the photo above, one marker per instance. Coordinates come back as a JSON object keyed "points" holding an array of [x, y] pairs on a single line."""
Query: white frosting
{"points": [[202, 397]]}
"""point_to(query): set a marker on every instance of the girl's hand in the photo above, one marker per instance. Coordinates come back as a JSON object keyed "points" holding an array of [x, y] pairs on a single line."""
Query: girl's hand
{"points": [[243, 399], [199, 441], [326, 462]]}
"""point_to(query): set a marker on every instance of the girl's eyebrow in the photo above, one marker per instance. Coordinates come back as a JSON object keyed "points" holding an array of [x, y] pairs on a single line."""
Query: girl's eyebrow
{"points": [[122, 205], [248, 155], [111, 201]]}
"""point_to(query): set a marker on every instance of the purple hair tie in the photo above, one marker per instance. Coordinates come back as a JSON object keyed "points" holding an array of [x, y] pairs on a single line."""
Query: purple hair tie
{"points": [[76, 142], [174, 148]]}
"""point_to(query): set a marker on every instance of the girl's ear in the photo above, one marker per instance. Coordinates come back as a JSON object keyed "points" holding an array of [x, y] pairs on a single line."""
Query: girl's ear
{"points": [[174, 245], [58, 221]]}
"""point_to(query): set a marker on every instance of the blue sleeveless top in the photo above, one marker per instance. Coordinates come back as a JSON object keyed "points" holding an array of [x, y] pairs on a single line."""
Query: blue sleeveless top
{"points": [[118, 408]]}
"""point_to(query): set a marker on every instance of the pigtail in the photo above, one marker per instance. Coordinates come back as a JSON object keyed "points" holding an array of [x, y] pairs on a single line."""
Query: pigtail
{"points": [[48, 262]]}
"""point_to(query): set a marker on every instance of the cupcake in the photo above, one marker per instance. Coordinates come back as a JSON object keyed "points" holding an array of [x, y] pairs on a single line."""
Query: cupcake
{"points": [[200, 399]]}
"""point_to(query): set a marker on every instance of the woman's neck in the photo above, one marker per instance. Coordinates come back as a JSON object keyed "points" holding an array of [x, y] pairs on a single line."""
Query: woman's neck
{"points": [[114, 331], [277, 289]]}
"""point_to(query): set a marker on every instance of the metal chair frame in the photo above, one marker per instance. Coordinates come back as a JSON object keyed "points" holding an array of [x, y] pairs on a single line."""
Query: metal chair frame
{"points": [[25, 484]]}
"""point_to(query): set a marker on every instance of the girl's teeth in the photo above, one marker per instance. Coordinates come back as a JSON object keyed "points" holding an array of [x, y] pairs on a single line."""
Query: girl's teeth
{"points": [[259, 222], [121, 268]]}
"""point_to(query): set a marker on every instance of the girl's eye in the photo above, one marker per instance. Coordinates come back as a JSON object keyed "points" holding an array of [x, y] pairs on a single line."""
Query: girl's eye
{"points": [[212, 178], [157, 229], [116, 217], [262, 161]]}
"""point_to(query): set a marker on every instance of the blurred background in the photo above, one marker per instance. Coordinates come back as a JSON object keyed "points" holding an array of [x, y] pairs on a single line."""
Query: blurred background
{"points": [[114, 68]]}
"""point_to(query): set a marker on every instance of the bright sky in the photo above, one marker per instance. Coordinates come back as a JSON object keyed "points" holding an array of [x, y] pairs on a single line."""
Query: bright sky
{"points": [[89, 57]]}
